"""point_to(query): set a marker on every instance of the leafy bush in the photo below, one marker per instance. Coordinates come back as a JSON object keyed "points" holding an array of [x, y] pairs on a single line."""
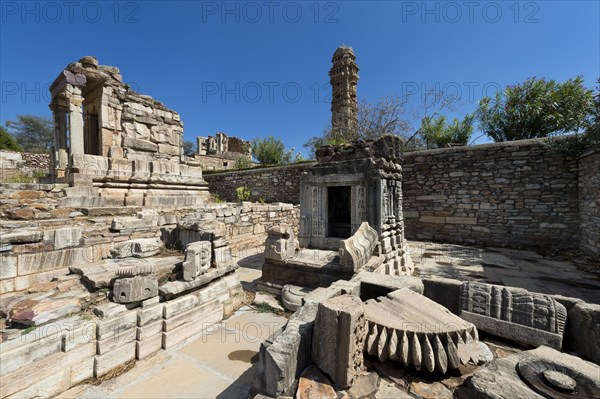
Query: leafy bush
{"points": [[271, 151], [243, 194], [243, 163], [8, 142], [536, 108], [437, 134]]}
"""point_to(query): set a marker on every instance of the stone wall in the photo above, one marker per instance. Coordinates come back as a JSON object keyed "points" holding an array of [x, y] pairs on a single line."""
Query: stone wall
{"points": [[506, 194], [22, 163], [41, 235], [272, 184], [225, 161], [589, 203]]}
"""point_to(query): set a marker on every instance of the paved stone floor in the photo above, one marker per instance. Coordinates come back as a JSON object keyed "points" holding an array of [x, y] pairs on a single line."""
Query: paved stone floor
{"points": [[517, 268]]}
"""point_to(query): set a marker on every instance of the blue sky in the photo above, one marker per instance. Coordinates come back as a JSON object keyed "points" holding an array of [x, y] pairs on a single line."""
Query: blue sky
{"points": [[254, 69]]}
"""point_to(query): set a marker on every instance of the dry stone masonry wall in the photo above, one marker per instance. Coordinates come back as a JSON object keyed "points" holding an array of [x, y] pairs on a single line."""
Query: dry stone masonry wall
{"points": [[589, 203], [273, 184], [506, 194]]}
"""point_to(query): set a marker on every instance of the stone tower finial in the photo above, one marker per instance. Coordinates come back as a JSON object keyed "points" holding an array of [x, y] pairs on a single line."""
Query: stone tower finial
{"points": [[343, 77]]}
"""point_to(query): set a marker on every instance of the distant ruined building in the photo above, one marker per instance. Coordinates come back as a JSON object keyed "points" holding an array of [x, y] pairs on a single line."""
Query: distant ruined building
{"points": [[222, 151], [343, 77]]}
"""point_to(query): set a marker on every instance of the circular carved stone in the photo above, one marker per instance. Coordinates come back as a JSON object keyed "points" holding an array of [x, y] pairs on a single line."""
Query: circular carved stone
{"points": [[134, 267], [555, 380], [560, 380]]}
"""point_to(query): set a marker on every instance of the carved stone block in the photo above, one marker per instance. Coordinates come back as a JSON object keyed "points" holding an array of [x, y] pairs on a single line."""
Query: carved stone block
{"points": [[338, 338], [197, 259], [514, 313], [134, 289], [356, 251], [280, 243]]}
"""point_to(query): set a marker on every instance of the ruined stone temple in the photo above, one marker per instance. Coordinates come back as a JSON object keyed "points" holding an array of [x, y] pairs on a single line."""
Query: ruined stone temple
{"points": [[123, 147], [121, 277], [221, 151], [343, 77]]}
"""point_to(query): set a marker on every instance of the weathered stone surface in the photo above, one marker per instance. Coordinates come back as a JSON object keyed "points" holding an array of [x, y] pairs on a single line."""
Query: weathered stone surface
{"points": [[373, 285], [197, 259], [364, 386], [66, 237], [168, 290], [280, 243], [388, 390], [356, 251], [108, 361], [444, 291], [514, 313], [292, 296], [430, 390], [314, 385], [133, 289], [21, 236], [282, 361], [583, 330], [501, 380], [37, 312], [139, 248], [339, 338]]}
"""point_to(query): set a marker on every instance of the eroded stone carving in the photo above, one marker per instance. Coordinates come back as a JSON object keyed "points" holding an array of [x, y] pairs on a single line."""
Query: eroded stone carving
{"points": [[134, 289], [356, 251], [409, 328], [514, 313], [197, 259], [281, 243]]}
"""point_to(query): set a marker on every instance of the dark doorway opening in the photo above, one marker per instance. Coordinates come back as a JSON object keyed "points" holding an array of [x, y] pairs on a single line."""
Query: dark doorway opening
{"points": [[91, 139], [338, 209]]}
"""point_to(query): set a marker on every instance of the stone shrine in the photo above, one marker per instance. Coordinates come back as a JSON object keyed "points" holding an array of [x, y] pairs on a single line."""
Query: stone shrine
{"points": [[121, 147]]}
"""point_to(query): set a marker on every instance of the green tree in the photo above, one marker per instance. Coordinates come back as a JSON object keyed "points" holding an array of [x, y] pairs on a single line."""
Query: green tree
{"points": [[536, 108], [438, 134], [33, 133], [8, 142], [188, 148], [271, 151]]}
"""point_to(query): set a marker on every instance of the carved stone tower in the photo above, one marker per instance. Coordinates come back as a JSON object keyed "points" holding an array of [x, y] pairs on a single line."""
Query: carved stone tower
{"points": [[343, 77]]}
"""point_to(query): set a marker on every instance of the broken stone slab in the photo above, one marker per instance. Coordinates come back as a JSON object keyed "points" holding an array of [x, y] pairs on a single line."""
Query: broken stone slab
{"points": [[409, 328], [364, 386], [356, 251], [514, 313], [35, 313], [525, 375], [430, 390], [21, 237], [197, 259], [584, 317], [173, 288], [135, 289], [283, 361], [138, 248], [339, 339], [314, 385]]}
